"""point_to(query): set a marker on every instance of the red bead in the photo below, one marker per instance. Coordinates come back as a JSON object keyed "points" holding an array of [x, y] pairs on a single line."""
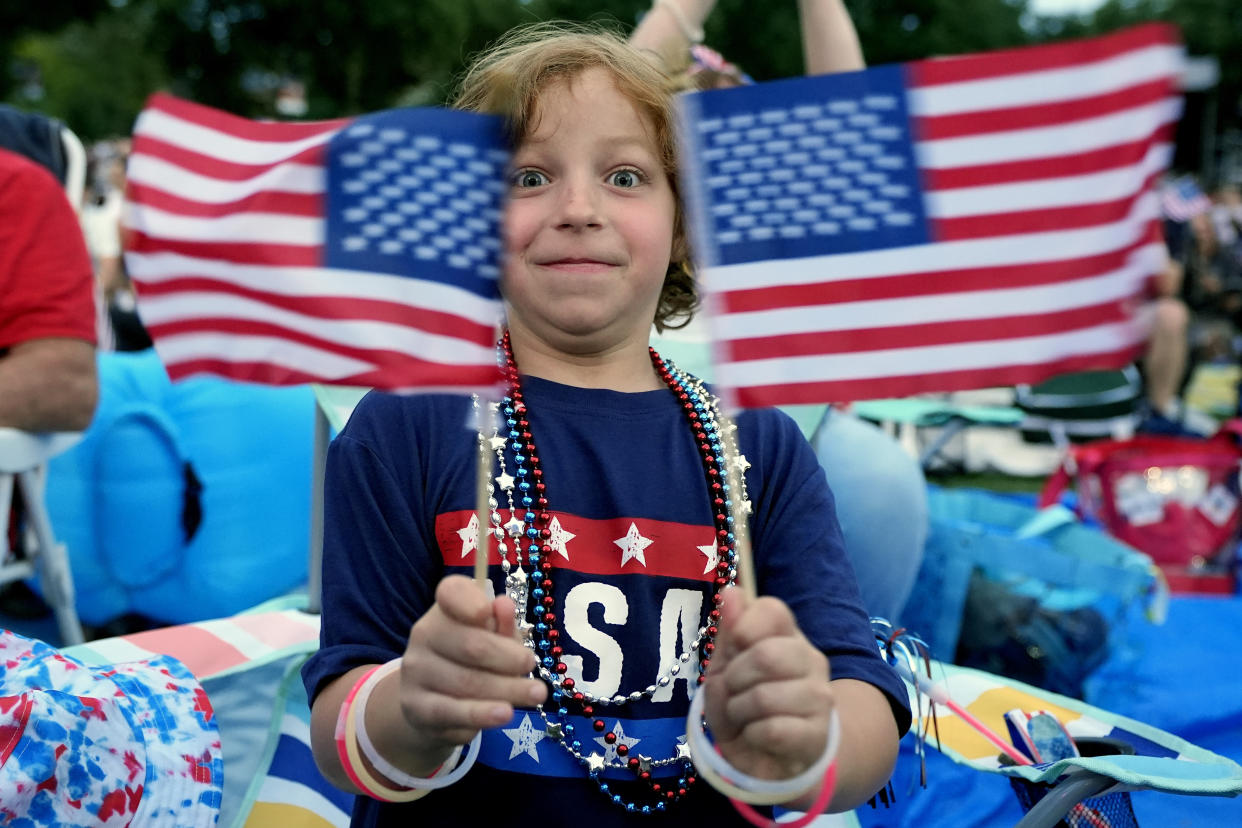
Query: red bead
{"points": [[554, 634], [680, 792], [556, 652], [645, 775], [598, 724], [536, 472], [717, 599], [578, 697], [610, 737], [690, 780], [722, 534], [714, 615], [622, 750], [561, 668], [541, 503], [709, 647], [671, 795], [546, 583], [541, 487], [655, 786], [721, 581], [713, 630], [588, 709], [723, 567], [632, 764], [549, 617], [568, 684], [548, 600]]}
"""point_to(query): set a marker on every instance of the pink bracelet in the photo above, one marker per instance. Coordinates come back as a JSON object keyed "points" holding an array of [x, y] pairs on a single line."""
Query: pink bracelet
{"points": [[351, 762], [817, 807]]}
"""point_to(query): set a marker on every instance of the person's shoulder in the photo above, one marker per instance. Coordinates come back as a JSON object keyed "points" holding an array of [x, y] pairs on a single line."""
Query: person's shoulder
{"points": [[25, 175]]}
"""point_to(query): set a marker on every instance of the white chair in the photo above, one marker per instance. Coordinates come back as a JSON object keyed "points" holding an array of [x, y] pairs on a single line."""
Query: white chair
{"points": [[23, 463]]}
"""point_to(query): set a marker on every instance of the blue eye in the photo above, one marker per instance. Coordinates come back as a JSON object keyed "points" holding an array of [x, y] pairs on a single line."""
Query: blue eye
{"points": [[625, 179], [529, 178]]}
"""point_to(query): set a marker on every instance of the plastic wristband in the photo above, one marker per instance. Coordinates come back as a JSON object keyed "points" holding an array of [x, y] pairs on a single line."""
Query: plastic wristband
{"points": [[812, 813], [448, 773], [695, 36], [351, 762], [735, 784]]}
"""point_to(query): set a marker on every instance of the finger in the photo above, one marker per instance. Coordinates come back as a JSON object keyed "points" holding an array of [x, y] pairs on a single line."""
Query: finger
{"points": [[431, 673], [503, 613], [480, 649], [454, 720], [808, 699], [775, 659], [461, 600], [792, 741], [746, 623]]}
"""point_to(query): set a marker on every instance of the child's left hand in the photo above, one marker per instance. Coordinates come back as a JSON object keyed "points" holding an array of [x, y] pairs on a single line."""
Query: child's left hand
{"points": [[768, 697]]}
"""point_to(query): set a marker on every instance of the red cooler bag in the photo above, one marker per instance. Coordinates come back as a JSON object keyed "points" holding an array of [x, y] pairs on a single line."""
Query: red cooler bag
{"points": [[1175, 498]]}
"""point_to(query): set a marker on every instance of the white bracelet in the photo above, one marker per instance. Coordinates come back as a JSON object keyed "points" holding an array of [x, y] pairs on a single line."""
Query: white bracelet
{"points": [[445, 775], [731, 782], [695, 36]]}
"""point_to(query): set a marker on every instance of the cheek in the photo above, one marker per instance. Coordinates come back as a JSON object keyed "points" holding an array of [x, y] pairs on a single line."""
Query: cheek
{"points": [[519, 228]]}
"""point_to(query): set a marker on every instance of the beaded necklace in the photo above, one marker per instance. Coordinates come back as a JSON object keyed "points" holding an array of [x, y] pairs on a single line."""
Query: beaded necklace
{"points": [[535, 601]]}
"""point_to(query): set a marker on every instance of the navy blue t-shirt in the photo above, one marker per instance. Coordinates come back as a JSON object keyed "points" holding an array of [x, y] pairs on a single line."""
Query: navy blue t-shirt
{"points": [[633, 550]]}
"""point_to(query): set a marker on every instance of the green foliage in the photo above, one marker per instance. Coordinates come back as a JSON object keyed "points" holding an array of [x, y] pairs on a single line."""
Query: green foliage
{"points": [[96, 61]]}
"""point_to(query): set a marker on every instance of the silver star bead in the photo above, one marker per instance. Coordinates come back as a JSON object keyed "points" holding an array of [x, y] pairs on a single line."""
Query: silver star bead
{"points": [[595, 762], [498, 443], [683, 750], [746, 507], [554, 731], [740, 462], [644, 763]]}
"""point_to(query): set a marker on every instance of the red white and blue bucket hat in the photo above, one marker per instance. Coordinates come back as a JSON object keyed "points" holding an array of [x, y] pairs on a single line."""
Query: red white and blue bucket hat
{"points": [[130, 744]]}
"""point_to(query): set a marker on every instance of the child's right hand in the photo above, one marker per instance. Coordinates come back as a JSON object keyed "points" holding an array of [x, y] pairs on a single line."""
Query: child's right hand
{"points": [[464, 668]]}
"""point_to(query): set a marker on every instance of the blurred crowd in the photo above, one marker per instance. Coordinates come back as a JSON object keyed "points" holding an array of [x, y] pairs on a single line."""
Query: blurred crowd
{"points": [[102, 199]]}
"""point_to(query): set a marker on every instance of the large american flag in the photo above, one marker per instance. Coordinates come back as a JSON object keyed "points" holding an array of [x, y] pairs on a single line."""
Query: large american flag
{"points": [[358, 252], [944, 224]]}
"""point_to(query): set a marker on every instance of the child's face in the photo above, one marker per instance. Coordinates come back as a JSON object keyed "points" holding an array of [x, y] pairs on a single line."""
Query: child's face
{"points": [[589, 224]]}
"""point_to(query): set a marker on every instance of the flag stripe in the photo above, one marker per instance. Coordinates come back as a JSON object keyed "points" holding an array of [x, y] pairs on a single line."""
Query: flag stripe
{"points": [[935, 127], [1039, 221], [231, 228], [263, 201], [158, 268], [928, 284], [1085, 163], [260, 253], [274, 132], [234, 312], [220, 169], [1039, 58], [1000, 251], [1127, 181], [922, 382], [435, 320], [1045, 142], [946, 307], [896, 362], [918, 334]]}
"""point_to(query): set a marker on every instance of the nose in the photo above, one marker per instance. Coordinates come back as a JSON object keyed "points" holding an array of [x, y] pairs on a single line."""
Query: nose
{"points": [[579, 205]]}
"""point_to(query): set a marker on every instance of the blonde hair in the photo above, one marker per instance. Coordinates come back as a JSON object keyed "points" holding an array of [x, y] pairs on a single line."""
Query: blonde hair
{"points": [[509, 77]]}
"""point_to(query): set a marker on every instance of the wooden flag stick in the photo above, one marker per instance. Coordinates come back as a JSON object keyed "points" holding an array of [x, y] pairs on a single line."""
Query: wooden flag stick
{"points": [[481, 506]]}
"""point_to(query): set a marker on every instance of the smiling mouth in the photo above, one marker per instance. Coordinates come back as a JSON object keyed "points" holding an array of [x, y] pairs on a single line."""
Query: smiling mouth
{"points": [[579, 266]]}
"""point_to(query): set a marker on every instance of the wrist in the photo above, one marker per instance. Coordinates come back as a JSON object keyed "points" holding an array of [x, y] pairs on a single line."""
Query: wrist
{"points": [[391, 733]]}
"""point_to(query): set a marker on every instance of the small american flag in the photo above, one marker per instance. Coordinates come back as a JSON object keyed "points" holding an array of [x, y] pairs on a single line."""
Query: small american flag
{"points": [[360, 252], [1181, 199], [932, 226]]}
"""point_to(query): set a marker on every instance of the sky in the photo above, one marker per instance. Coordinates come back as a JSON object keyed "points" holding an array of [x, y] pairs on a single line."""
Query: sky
{"points": [[1047, 7]]}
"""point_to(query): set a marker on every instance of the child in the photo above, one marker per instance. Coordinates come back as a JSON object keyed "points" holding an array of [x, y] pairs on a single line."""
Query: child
{"points": [[607, 485]]}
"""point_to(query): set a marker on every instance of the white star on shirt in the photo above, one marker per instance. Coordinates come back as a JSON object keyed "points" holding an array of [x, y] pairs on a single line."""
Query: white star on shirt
{"points": [[559, 538], [632, 545], [610, 751], [524, 738], [713, 557], [469, 535]]}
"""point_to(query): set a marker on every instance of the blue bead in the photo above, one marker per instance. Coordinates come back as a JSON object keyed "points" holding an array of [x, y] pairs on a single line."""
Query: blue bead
{"points": [[537, 592], [532, 532], [562, 711], [543, 644], [534, 561], [527, 502], [576, 745], [548, 662], [521, 471], [629, 806], [529, 517], [519, 459], [534, 550], [557, 694], [660, 805], [569, 729], [646, 809], [616, 798], [524, 486], [541, 627], [604, 787]]}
